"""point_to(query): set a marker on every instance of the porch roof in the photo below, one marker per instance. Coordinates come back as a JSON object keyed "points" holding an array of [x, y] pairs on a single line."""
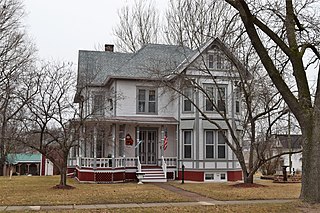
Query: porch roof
{"points": [[137, 120]]}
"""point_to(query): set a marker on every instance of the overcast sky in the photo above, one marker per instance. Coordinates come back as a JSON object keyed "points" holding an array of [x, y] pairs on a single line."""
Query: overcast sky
{"points": [[61, 27]]}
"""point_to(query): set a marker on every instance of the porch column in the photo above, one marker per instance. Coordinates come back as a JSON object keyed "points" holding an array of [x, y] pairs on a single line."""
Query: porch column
{"points": [[113, 144], [19, 165], [94, 146], [28, 165], [138, 139], [162, 141], [38, 169]]}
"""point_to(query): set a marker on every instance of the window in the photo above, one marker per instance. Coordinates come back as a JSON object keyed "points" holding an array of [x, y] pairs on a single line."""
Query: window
{"points": [[215, 144], [215, 58], [221, 98], [211, 59], [187, 105], [209, 144], [147, 101], [222, 176], [237, 100], [221, 145], [209, 176], [209, 97], [98, 104], [187, 144], [215, 97]]}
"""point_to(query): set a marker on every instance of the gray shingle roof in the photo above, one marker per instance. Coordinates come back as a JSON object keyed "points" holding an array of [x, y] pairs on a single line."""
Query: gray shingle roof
{"points": [[296, 141], [94, 67]]}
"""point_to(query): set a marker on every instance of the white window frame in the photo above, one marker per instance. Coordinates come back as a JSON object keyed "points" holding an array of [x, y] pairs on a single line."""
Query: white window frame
{"points": [[215, 95], [189, 93], [187, 144], [210, 144], [147, 101], [217, 144]]}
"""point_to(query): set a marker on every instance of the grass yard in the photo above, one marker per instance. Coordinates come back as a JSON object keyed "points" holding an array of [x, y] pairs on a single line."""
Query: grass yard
{"points": [[35, 190], [225, 191]]}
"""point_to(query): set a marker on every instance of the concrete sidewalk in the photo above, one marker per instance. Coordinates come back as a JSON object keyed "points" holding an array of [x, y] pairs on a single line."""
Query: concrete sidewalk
{"points": [[134, 205]]}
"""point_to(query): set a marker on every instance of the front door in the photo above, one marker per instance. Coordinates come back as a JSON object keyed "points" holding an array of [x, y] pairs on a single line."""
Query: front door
{"points": [[148, 146]]}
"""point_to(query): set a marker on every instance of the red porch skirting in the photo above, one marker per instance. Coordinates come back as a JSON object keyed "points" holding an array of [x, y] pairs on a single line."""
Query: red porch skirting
{"points": [[199, 175]]}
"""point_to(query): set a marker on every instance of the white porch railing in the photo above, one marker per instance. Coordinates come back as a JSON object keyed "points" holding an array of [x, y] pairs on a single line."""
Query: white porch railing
{"points": [[131, 162], [164, 167], [72, 162], [139, 165], [170, 161], [106, 162]]}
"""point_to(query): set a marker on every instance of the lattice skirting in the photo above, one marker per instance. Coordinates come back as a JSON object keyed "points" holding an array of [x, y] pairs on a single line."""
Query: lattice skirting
{"points": [[109, 177]]}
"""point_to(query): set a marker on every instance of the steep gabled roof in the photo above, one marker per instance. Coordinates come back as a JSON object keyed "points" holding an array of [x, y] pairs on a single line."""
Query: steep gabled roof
{"points": [[295, 141], [202, 49]]}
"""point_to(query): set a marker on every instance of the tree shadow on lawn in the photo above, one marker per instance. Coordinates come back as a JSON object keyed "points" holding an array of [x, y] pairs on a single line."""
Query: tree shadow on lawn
{"points": [[248, 185], [63, 187]]}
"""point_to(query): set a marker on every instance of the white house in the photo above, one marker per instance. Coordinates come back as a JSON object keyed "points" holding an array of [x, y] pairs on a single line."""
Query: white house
{"points": [[289, 143], [130, 114]]}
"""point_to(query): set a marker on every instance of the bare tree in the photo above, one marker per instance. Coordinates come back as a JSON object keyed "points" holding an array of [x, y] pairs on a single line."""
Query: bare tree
{"points": [[190, 23], [47, 126], [16, 57], [138, 26], [292, 28]]}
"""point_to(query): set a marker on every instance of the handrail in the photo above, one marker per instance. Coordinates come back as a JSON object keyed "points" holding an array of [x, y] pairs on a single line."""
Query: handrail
{"points": [[138, 164], [164, 167]]}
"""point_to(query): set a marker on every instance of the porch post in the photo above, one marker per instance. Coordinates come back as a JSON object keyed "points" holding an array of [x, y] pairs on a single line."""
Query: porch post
{"points": [[113, 145], [138, 139], [95, 146], [162, 141]]}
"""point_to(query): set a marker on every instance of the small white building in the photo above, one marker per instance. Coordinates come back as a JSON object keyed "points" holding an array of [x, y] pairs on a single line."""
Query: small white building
{"points": [[289, 143], [130, 115]]}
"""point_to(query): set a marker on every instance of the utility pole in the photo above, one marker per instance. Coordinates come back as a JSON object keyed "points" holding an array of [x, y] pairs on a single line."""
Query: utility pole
{"points": [[289, 141]]}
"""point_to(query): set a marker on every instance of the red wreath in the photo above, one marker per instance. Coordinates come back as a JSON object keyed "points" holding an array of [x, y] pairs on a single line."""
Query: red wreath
{"points": [[129, 140]]}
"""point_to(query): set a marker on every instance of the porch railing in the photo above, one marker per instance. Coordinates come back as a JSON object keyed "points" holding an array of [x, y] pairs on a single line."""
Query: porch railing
{"points": [[164, 167], [170, 161], [120, 162], [72, 162], [139, 165]]}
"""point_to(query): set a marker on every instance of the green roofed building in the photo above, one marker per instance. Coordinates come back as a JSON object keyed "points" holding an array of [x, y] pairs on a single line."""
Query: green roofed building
{"points": [[29, 164]]}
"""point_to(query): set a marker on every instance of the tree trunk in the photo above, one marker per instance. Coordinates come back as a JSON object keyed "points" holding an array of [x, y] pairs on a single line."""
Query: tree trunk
{"points": [[63, 173], [310, 191], [248, 178]]}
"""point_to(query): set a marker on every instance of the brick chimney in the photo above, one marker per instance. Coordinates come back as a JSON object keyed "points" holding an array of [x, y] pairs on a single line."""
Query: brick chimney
{"points": [[108, 47]]}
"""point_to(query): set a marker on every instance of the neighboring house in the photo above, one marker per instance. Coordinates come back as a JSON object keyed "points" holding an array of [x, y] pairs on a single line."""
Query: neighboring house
{"points": [[134, 124], [29, 164], [288, 143]]}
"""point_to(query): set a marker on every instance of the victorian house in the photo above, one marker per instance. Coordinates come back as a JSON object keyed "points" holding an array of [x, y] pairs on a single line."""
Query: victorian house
{"points": [[140, 118]]}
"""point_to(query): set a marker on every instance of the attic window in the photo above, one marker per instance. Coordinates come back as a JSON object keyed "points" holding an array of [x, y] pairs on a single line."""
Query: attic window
{"points": [[217, 59]]}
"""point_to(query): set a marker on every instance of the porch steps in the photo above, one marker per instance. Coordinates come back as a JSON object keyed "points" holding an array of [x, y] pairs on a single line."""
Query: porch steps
{"points": [[154, 175]]}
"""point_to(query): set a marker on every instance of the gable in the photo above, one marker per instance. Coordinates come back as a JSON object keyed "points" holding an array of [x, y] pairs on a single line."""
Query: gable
{"points": [[200, 59]]}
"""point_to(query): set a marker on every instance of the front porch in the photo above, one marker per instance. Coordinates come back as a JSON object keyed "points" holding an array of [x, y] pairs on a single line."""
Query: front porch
{"points": [[120, 169]]}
